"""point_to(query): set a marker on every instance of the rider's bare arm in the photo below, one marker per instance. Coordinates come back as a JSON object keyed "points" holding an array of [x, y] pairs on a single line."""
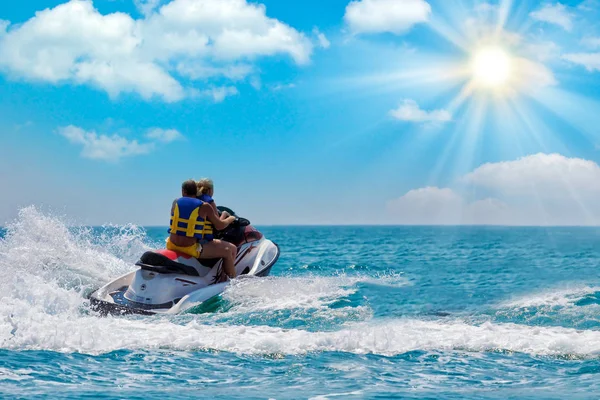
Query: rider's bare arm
{"points": [[209, 213], [223, 215]]}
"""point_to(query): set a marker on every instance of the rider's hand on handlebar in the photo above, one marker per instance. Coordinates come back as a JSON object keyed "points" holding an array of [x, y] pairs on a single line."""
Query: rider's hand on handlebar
{"points": [[230, 219]]}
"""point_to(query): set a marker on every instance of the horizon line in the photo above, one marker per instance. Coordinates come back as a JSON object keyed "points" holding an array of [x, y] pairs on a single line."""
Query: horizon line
{"points": [[353, 226]]}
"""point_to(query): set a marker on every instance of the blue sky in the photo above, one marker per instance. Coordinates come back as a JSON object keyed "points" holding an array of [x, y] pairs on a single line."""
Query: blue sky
{"points": [[337, 112]]}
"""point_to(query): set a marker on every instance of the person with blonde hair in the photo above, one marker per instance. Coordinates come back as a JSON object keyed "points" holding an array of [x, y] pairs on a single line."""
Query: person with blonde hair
{"points": [[206, 191]]}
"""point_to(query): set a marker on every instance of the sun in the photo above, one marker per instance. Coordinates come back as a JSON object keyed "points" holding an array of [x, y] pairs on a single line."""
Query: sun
{"points": [[491, 67]]}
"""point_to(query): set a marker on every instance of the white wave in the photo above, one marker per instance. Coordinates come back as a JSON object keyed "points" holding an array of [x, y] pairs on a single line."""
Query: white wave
{"points": [[44, 264], [308, 298], [561, 297], [94, 335], [15, 375], [338, 394], [300, 292], [576, 306], [276, 293]]}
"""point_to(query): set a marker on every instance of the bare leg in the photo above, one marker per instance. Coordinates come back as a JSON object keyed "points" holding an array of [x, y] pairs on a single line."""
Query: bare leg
{"points": [[220, 249]]}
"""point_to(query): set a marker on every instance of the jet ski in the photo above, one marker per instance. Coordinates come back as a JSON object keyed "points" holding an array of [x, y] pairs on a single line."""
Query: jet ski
{"points": [[169, 282]]}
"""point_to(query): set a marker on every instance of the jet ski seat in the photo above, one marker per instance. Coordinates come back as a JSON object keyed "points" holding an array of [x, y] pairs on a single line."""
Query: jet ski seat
{"points": [[161, 264]]}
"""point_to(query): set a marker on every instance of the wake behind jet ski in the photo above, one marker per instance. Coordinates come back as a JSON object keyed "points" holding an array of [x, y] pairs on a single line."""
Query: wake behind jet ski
{"points": [[170, 282]]}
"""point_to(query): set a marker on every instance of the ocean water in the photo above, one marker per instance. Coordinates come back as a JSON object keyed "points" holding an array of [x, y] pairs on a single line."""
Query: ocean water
{"points": [[348, 312]]}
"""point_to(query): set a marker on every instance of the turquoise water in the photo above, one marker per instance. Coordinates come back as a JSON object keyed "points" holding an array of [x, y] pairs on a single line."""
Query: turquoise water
{"points": [[374, 312]]}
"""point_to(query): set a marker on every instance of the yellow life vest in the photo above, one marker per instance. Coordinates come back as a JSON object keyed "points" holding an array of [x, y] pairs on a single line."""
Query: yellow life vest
{"points": [[186, 220]]}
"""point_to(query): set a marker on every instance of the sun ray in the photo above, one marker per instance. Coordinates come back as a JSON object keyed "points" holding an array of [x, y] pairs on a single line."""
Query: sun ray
{"points": [[451, 26], [461, 144], [545, 137], [410, 76], [524, 117], [520, 13], [573, 109], [508, 109], [465, 93], [504, 10], [450, 34], [507, 113]]}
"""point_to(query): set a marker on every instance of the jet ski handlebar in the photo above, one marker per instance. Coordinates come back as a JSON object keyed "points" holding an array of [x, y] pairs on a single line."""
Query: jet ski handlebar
{"points": [[239, 221], [234, 232]]}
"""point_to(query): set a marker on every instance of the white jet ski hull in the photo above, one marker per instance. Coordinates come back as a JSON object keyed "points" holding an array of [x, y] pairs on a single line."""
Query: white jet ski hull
{"points": [[155, 289]]}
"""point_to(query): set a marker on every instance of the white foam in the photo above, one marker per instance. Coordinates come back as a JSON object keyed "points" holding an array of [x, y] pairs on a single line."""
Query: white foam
{"points": [[45, 268], [309, 298], [94, 335], [273, 293], [15, 375], [276, 293], [340, 394], [561, 297], [41, 245]]}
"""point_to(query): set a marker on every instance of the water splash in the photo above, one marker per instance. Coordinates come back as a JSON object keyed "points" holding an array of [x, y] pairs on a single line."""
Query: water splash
{"points": [[46, 268], [577, 306], [93, 335]]}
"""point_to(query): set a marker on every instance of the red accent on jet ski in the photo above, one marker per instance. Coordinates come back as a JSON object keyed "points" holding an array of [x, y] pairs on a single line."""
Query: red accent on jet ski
{"points": [[251, 234], [172, 255]]}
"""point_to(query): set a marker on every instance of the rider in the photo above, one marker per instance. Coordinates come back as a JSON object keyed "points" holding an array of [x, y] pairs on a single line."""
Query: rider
{"points": [[206, 190], [191, 229]]}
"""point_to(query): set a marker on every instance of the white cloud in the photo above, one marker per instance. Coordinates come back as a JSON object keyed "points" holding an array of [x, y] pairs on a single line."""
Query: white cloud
{"points": [[255, 82], [321, 38], [281, 86], [147, 7], [198, 71], [223, 29], [486, 8], [542, 51], [429, 205], [548, 174], [103, 147], [23, 126], [444, 206], [395, 16], [73, 42], [3, 26], [410, 111], [531, 75], [218, 94], [591, 41], [556, 14], [146, 79], [589, 5], [591, 61], [488, 211], [164, 135], [540, 189]]}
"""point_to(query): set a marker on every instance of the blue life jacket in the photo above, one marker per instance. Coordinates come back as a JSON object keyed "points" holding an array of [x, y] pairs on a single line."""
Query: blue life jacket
{"points": [[205, 198], [186, 221]]}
